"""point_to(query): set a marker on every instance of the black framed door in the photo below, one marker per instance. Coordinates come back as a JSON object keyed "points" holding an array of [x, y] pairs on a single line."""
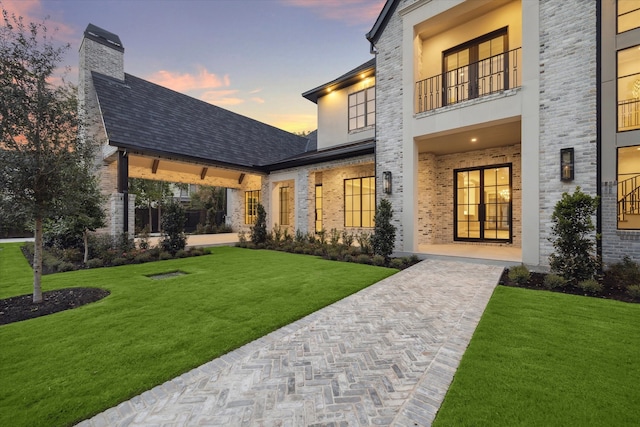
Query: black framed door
{"points": [[482, 204]]}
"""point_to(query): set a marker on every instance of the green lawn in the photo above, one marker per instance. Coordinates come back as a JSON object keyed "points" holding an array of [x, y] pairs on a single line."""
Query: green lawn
{"points": [[548, 359], [60, 369]]}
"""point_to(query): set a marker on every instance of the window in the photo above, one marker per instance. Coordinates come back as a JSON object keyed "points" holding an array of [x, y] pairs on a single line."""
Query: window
{"points": [[628, 15], [251, 200], [476, 68], [284, 205], [362, 109], [318, 208], [629, 188], [629, 89], [359, 202]]}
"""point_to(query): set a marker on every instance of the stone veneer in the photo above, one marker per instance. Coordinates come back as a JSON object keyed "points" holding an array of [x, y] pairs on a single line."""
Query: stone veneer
{"points": [[436, 190]]}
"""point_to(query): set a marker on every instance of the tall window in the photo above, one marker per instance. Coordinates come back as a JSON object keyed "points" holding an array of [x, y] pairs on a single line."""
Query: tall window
{"points": [[359, 202], [318, 208], [628, 15], [629, 89], [251, 200], [476, 68], [362, 108], [629, 188], [284, 205]]}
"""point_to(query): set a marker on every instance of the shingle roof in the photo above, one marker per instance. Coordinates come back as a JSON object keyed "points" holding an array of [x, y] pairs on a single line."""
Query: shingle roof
{"points": [[381, 22], [140, 115], [347, 79], [327, 155]]}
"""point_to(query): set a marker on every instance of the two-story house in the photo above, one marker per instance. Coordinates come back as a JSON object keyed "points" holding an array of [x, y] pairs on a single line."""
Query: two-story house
{"points": [[472, 119]]}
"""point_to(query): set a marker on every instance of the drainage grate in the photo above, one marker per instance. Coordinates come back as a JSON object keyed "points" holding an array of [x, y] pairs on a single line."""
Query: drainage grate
{"points": [[168, 275]]}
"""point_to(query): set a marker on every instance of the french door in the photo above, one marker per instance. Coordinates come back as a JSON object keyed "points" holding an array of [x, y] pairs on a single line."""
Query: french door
{"points": [[482, 201]]}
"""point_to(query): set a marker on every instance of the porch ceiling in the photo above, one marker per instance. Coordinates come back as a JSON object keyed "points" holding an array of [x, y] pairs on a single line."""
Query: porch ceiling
{"points": [[176, 171], [486, 135]]}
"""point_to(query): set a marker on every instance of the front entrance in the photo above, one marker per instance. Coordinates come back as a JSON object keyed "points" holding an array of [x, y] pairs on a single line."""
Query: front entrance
{"points": [[482, 204]]}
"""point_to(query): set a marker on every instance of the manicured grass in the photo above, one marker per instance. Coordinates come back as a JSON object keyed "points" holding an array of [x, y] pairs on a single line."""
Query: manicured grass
{"points": [[60, 369], [541, 359]]}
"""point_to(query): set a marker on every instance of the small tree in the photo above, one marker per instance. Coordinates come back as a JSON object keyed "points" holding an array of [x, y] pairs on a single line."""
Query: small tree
{"points": [[384, 234], [147, 193], [40, 155], [259, 229], [574, 242], [173, 221]]}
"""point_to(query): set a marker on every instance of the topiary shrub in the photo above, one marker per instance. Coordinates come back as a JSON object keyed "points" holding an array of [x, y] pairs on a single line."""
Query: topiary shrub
{"points": [[173, 220], [574, 257], [519, 274], [553, 281], [384, 234], [259, 229]]}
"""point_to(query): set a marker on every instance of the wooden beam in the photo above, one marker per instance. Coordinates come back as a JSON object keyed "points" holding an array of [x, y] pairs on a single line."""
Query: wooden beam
{"points": [[154, 167], [241, 178], [203, 173]]}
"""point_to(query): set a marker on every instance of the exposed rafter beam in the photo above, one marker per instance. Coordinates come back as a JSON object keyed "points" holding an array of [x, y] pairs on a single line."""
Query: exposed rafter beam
{"points": [[203, 173], [241, 178], [154, 167]]}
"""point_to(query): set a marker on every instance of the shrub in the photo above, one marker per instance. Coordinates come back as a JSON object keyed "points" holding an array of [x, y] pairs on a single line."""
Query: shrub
{"points": [[95, 263], [364, 241], [119, 261], [164, 255], [574, 256], [71, 255], [143, 257], [242, 237], [384, 234], [624, 274], [633, 291], [66, 266], [333, 254], [398, 263], [379, 260], [143, 241], [322, 237], [554, 281], [347, 258], [347, 238], [334, 237], [182, 254], [590, 286], [299, 236], [364, 259], [173, 220], [318, 252], [259, 229], [519, 274], [277, 233], [298, 249]]}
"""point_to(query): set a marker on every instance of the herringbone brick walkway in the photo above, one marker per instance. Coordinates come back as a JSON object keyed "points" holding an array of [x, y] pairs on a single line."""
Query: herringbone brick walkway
{"points": [[383, 356]]}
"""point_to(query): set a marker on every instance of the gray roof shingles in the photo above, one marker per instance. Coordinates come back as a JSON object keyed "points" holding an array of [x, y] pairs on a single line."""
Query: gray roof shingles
{"points": [[142, 116]]}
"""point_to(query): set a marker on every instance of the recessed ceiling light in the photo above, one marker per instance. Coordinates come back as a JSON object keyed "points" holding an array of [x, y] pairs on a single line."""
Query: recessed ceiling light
{"points": [[474, 139]]}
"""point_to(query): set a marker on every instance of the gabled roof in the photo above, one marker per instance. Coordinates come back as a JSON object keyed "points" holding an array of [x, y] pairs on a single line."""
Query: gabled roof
{"points": [[383, 19], [347, 79], [144, 117]]}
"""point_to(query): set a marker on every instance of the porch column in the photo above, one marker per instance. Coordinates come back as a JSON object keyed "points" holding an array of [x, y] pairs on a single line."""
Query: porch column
{"points": [[123, 188]]}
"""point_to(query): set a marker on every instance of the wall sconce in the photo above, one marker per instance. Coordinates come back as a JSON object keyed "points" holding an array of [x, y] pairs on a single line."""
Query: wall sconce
{"points": [[386, 182], [566, 164]]}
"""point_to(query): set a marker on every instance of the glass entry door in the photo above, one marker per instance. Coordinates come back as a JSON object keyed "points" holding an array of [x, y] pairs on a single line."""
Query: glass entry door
{"points": [[483, 204]]}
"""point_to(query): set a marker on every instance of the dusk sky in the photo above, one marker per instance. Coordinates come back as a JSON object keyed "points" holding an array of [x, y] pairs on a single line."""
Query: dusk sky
{"points": [[253, 57]]}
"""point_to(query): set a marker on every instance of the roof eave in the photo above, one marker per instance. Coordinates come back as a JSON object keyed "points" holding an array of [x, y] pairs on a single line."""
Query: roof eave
{"points": [[320, 157], [382, 21], [340, 83]]}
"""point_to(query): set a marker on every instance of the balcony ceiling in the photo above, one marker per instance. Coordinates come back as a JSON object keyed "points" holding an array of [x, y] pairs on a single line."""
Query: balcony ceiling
{"points": [[487, 135]]}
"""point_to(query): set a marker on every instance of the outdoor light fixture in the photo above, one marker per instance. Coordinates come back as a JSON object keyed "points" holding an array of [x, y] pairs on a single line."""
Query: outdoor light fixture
{"points": [[386, 182], [566, 164]]}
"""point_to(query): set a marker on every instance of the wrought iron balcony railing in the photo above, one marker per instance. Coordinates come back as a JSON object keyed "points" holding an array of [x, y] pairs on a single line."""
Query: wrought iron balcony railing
{"points": [[629, 114], [491, 75]]}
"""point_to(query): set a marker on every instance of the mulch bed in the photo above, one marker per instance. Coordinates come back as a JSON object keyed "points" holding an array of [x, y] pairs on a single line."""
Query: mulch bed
{"points": [[19, 308]]}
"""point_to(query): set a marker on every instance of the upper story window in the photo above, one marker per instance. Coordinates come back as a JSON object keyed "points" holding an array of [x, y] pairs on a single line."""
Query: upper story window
{"points": [[475, 68], [628, 15], [251, 200], [362, 109], [629, 89]]}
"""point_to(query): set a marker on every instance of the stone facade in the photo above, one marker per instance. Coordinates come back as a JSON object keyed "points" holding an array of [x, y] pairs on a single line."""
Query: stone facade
{"points": [[568, 104], [436, 190]]}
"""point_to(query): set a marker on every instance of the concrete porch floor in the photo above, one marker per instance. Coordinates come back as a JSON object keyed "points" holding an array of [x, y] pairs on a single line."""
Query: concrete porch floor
{"points": [[509, 254]]}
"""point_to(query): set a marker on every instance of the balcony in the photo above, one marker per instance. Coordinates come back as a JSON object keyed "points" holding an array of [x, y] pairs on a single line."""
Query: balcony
{"points": [[629, 114], [491, 75]]}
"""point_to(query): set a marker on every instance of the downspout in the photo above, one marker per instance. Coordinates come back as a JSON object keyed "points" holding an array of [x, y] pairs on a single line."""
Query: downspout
{"points": [[374, 51], [123, 187], [599, 128]]}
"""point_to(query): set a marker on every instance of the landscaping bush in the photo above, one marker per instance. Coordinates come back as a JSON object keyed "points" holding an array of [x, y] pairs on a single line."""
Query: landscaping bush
{"points": [[173, 220], [398, 263], [347, 238], [119, 261], [379, 260], [164, 256], [334, 237], [623, 274], [554, 281], [364, 259], [347, 258], [384, 235], [519, 274], [259, 229], [318, 252], [633, 291], [574, 257], [143, 257], [322, 237], [590, 286], [182, 254], [66, 266], [364, 241], [95, 263]]}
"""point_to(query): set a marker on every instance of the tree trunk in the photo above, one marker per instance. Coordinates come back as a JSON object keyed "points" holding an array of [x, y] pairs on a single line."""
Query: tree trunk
{"points": [[85, 237], [37, 262], [150, 217], [159, 219]]}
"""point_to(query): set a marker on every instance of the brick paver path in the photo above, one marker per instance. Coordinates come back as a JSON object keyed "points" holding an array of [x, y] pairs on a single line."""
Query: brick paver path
{"points": [[383, 356]]}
